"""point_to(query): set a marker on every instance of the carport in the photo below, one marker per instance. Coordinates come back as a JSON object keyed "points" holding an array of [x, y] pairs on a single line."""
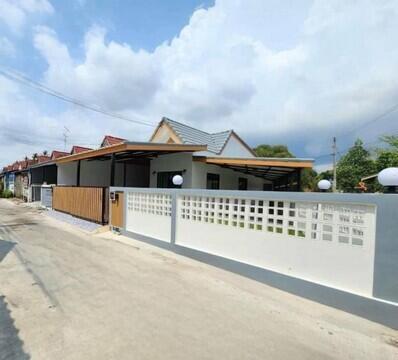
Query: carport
{"points": [[84, 178]]}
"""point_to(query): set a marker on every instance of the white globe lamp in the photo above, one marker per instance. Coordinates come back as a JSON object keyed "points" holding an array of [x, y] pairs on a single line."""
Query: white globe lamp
{"points": [[324, 185], [389, 178], [178, 180]]}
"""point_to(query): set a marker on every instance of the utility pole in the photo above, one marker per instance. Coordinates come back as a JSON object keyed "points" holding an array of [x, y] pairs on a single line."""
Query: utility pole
{"points": [[65, 134], [334, 148]]}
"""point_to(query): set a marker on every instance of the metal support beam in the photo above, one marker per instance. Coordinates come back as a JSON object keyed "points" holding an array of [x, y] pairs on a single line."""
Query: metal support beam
{"points": [[78, 174], [298, 179], [113, 158], [124, 174]]}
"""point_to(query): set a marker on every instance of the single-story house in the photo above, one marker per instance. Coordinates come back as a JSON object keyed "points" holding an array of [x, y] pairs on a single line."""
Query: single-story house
{"points": [[205, 160]]}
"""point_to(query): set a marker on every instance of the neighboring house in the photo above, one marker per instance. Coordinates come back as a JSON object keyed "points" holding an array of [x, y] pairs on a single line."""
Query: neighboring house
{"points": [[111, 140], [56, 154], [21, 182], [79, 149]]}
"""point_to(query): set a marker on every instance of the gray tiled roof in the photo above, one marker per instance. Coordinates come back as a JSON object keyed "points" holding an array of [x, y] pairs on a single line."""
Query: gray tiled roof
{"points": [[189, 135]]}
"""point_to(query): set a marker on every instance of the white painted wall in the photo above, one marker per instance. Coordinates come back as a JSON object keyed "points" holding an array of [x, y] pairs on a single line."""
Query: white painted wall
{"points": [[172, 162], [234, 148], [323, 259], [228, 178], [146, 216], [66, 173], [344, 266]]}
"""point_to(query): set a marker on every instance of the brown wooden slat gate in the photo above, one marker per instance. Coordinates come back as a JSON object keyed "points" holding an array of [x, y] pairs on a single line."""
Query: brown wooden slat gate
{"points": [[90, 203]]}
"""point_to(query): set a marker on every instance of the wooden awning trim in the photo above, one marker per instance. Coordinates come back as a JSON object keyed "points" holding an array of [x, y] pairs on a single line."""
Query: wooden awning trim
{"points": [[257, 162], [131, 147]]}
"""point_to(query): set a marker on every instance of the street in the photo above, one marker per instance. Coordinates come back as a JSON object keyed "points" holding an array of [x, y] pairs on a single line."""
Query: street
{"points": [[67, 294]]}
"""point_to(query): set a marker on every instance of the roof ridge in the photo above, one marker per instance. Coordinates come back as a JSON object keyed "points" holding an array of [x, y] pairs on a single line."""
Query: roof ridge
{"points": [[222, 132], [115, 137], [189, 126]]}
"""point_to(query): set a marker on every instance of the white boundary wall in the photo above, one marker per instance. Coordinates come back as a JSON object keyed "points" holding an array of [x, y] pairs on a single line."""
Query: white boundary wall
{"points": [[338, 249], [149, 214], [328, 243]]}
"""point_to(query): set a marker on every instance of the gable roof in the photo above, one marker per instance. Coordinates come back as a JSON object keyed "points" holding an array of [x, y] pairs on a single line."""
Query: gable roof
{"points": [[78, 149], [188, 135], [111, 140], [57, 154], [43, 158]]}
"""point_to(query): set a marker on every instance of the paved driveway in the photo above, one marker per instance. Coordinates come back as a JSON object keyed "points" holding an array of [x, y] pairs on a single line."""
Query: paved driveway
{"points": [[65, 294]]}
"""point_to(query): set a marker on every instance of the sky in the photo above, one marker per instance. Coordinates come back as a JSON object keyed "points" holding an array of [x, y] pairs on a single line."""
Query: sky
{"points": [[277, 72]]}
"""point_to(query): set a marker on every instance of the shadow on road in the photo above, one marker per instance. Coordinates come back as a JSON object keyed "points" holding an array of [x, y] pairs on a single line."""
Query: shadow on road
{"points": [[11, 346], [5, 248]]}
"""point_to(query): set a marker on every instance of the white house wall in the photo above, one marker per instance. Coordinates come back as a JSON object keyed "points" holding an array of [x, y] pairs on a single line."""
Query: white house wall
{"points": [[234, 148], [229, 179], [172, 162]]}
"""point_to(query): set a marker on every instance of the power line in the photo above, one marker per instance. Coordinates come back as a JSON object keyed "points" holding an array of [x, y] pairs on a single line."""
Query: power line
{"points": [[24, 80], [380, 116], [341, 152]]}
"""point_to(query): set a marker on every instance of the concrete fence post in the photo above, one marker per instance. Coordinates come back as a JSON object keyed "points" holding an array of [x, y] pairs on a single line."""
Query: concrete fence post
{"points": [[173, 217]]}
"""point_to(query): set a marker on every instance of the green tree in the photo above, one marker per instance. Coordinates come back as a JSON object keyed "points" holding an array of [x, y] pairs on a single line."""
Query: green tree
{"points": [[387, 157], [308, 176], [278, 151], [391, 140], [309, 179], [325, 175], [356, 164]]}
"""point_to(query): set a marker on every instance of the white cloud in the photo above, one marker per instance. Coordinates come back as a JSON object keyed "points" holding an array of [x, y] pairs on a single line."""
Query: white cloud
{"points": [[242, 64], [220, 70], [112, 75], [14, 13]]}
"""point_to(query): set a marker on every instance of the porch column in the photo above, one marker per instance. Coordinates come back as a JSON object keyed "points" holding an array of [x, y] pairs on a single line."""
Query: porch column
{"points": [[113, 169], [78, 174], [124, 174], [298, 179]]}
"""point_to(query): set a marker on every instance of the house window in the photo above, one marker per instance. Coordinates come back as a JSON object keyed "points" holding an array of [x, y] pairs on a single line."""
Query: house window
{"points": [[213, 181], [165, 179], [242, 184]]}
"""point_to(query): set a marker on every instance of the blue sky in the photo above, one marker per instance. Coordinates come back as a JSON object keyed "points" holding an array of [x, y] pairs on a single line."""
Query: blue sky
{"points": [[290, 72]]}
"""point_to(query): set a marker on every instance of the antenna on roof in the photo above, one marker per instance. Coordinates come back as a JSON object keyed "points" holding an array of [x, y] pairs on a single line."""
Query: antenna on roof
{"points": [[65, 135]]}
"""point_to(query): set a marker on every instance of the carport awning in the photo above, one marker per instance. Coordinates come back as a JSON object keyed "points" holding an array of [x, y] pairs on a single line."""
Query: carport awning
{"points": [[266, 168], [130, 150]]}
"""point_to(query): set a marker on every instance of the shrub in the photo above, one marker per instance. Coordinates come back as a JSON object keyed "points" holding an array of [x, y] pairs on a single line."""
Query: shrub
{"points": [[6, 194]]}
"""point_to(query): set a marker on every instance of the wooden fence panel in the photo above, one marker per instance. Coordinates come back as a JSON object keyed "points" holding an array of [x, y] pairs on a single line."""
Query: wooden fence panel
{"points": [[88, 203]]}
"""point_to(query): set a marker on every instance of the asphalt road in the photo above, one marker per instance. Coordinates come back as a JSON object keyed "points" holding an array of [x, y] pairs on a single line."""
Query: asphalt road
{"points": [[65, 294]]}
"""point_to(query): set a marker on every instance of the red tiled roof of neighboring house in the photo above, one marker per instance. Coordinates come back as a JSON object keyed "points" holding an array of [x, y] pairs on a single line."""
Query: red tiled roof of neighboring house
{"points": [[78, 149], [57, 154], [43, 158], [111, 140]]}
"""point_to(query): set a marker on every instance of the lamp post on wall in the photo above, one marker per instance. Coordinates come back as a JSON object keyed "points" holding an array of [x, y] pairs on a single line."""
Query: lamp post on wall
{"points": [[178, 180], [324, 185], [389, 179]]}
